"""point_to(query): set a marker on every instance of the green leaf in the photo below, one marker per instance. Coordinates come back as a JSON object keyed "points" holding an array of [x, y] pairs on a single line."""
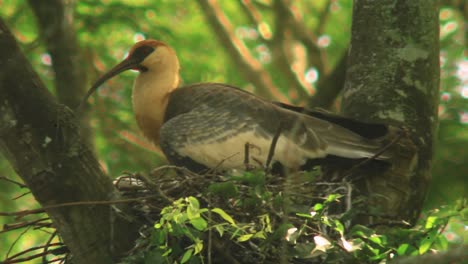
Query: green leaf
{"points": [[220, 229], [260, 234], [464, 214], [402, 249], [159, 237], [187, 255], [198, 246], [193, 202], [431, 221], [427, 242], [192, 212], [167, 252], [318, 206], [224, 189], [224, 215], [441, 243], [425, 246], [339, 226], [199, 223], [361, 231], [333, 197], [245, 238], [304, 215], [193, 208], [376, 239]]}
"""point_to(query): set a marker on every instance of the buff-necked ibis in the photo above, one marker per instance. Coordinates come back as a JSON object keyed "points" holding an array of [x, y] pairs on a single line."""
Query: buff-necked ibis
{"points": [[207, 125]]}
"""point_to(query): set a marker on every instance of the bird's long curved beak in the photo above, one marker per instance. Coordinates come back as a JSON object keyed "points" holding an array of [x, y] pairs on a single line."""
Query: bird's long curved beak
{"points": [[126, 64]]}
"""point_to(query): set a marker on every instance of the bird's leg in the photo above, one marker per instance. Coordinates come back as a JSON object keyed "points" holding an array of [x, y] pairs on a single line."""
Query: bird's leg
{"points": [[247, 157], [247, 164], [271, 151]]}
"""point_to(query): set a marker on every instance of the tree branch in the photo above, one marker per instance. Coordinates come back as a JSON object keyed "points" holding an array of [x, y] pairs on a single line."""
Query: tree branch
{"points": [[304, 35], [330, 86], [56, 23], [250, 68], [277, 47], [39, 138]]}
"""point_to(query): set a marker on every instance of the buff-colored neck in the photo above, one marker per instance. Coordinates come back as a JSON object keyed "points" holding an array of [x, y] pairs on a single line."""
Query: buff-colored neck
{"points": [[152, 90]]}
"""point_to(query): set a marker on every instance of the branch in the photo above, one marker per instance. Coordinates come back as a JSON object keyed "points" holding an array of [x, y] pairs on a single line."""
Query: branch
{"points": [[250, 68], [278, 49], [304, 35], [330, 86], [56, 24], [40, 139]]}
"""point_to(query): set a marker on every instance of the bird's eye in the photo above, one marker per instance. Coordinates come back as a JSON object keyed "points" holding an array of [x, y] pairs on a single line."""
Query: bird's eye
{"points": [[140, 53]]}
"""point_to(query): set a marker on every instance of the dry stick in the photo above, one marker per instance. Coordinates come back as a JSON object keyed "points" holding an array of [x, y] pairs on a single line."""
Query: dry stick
{"points": [[46, 247], [148, 182], [382, 150], [11, 227], [16, 240], [21, 185], [21, 195], [13, 260], [56, 260], [215, 168], [20, 214], [271, 152]]}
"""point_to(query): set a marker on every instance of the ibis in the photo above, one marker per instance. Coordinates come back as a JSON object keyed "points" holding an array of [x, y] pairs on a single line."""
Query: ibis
{"points": [[211, 125]]}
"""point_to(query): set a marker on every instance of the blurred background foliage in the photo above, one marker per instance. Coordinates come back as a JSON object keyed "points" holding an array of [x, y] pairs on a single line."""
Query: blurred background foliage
{"points": [[266, 37]]}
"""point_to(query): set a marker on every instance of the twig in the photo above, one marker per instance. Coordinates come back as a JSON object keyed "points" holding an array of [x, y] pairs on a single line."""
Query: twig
{"points": [[16, 241], [323, 17], [305, 36], [21, 195], [21, 185], [56, 260], [10, 227], [23, 213], [46, 246], [251, 68], [380, 152], [279, 46], [271, 151], [148, 182], [13, 260]]}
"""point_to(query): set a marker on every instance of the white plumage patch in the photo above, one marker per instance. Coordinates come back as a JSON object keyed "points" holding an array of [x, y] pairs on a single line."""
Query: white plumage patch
{"points": [[229, 153]]}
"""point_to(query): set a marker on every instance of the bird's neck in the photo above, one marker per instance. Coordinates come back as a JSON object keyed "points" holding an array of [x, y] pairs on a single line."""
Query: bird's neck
{"points": [[151, 95]]}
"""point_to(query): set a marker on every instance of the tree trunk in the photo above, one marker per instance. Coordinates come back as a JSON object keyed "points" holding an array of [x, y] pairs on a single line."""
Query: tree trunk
{"points": [[39, 138], [393, 78]]}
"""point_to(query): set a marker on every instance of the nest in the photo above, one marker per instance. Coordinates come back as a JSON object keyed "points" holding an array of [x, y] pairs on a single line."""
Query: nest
{"points": [[298, 193]]}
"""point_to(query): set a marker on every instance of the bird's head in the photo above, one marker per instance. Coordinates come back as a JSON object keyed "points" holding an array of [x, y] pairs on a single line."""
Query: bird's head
{"points": [[144, 56]]}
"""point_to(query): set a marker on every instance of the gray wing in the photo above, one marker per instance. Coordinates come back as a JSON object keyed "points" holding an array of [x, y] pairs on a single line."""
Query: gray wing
{"points": [[212, 123]]}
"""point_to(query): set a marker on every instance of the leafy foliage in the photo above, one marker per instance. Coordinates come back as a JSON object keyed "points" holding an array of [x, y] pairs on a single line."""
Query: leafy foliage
{"points": [[107, 28], [190, 232]]}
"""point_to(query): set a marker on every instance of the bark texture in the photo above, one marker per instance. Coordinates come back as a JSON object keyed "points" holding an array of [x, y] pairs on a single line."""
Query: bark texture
{"points": [[393, 78], [40, 139]]}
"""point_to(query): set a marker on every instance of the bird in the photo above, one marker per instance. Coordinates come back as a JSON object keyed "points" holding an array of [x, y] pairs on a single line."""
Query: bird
{"points": [[206, 126]]}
